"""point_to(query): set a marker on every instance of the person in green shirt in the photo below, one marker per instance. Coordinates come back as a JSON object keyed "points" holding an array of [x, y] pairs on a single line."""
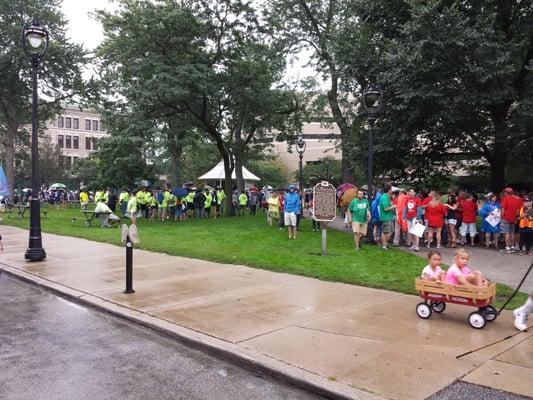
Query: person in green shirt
{"points": [[171, 205], [123, 199], [141, 200], [359, 213], [207, 204], [221, 196], [243, 199], [386, 214], [132, 207], [162, 204]]}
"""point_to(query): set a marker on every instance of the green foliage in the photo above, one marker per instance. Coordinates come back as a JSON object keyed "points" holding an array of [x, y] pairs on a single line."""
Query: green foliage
{"points": [[59, 75], [325, 169], [271, 171]]}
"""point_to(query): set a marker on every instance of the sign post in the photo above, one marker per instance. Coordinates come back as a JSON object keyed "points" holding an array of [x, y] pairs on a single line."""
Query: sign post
{"points": [[324, 208]]}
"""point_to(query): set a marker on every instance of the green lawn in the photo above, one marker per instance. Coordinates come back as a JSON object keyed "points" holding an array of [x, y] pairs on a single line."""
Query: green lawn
{"points": [[249, 241]]}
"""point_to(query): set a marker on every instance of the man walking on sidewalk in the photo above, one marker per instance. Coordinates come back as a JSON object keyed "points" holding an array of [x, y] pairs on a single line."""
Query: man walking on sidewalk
{"points": [[359, 214]]}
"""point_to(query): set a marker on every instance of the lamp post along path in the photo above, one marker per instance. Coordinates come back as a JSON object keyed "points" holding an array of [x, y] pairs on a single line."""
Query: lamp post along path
{"points": [[35, 44], [372, 103]]}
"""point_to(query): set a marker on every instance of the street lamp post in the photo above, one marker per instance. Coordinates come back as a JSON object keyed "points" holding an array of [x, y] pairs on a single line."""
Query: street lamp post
{"points": [[372, 103], [300, 148], [35, 44]]}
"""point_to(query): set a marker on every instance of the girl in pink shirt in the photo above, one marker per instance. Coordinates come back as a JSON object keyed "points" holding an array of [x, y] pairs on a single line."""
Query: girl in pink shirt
{"points": [[460, 274], [433, 271]]}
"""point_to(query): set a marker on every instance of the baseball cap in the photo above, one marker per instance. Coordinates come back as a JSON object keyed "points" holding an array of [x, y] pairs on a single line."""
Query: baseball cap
{"points": [[508, 190]]}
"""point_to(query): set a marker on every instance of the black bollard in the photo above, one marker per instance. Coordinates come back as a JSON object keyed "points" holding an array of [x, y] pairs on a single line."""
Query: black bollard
{"points": [[129, 266]]}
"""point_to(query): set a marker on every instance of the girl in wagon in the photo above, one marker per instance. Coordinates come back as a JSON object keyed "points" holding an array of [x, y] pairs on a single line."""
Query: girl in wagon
{"points": [[433, 271], [460, 274]]}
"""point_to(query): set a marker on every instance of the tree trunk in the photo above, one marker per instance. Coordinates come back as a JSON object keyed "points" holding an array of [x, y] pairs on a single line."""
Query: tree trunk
{"points": [[239, 175], [340, 120], [228, 185], [498, 159], [9, 149]]}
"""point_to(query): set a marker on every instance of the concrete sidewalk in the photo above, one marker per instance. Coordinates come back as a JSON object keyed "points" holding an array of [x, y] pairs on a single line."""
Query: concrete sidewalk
{"points": [[352, 341], [497, 265]]}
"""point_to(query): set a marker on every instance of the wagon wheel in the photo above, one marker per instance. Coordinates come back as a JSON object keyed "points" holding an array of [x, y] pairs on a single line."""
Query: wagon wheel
{"points": [[477, 320], [423, 310], [438, 306], [489, 312]]}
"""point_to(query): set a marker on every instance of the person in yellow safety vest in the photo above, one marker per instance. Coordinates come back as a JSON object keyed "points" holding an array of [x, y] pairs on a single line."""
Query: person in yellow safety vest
{"points": [[132, 208], [123, 199], [189, 199], [207, 203], [221, 196], [163, 205], [150, 204], [171, 205], [98, 196], [105, 196], [84, 199], [141, 199], [243, 199]]}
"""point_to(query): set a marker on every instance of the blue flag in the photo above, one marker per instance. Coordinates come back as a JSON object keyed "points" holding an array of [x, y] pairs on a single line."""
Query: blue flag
{"points": [[4, 186]]}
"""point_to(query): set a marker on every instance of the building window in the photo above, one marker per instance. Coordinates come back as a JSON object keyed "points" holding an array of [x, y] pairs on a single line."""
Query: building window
{"points": [[87, 124], [75, 142], [76, 123], [68, 122], [60, 142], [68, 142], [95, 125], [87, 143], [60, 122], [95, 144]]}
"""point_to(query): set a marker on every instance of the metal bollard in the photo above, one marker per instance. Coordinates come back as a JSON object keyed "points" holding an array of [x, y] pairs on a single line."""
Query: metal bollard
{"points": [[129, 266]]}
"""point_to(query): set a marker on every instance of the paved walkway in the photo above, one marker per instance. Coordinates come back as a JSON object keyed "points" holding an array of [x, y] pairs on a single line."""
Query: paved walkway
{"points": [[360, 342], [497, 265]]}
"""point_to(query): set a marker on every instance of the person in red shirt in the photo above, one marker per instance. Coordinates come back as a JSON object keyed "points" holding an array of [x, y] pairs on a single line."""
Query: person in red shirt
{"points": [[434, 213], [468, 206], [412, 214], [511, 205], [399, 226]]}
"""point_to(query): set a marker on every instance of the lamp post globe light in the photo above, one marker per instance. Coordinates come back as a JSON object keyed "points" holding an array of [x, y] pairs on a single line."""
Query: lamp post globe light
{"points": [[35, 44], [300, 148], [372, 103]]}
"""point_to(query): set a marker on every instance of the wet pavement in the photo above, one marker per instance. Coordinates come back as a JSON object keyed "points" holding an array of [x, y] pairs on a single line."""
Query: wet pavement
{"points": [[52, 349], [463, 391], [366, 343]]}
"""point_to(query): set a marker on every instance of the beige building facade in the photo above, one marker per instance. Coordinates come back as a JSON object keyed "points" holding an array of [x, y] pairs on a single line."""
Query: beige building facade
{"points": [[76, 132], [320, 140]]}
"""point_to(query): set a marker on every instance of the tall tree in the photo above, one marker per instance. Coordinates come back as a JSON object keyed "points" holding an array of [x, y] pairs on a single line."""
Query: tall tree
{"points": [[59, 76], [205, 62], [459, 86]]}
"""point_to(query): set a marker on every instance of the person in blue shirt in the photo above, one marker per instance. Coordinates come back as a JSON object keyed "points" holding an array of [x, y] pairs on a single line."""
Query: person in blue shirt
{"points": [[292, 208]]}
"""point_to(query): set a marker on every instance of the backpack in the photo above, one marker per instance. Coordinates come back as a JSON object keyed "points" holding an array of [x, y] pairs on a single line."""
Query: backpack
{"points": [[159, 197]]}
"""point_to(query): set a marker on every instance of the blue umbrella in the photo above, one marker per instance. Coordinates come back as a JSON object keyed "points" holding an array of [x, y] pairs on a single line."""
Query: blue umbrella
{"points": [[180, 192], [4, 186]]}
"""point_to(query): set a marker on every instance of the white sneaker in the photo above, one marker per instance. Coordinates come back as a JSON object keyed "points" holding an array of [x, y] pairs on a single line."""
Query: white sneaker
{"points": [[520, 320], [417, 248]]}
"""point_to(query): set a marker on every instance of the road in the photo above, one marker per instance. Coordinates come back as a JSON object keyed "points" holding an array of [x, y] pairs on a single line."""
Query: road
{"points": [[51, 348]]}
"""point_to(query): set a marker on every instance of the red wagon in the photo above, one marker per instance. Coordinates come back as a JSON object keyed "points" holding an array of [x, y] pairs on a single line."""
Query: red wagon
{"points": [[436, 294]]}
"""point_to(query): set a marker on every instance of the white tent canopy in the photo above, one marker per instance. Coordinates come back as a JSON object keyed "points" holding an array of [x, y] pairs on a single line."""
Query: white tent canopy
{"points": [[217, 174]]}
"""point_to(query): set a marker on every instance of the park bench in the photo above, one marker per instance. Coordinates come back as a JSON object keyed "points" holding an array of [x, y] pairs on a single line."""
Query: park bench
{"points": [[90, 216], [21, 211]]}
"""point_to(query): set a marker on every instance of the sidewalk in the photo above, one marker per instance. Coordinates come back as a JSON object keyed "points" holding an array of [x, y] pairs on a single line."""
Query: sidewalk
{"points": [[498, 266], [353, 341]]}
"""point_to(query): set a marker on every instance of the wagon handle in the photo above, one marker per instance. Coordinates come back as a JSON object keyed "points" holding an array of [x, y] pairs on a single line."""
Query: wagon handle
{"points": [[517, 288]]}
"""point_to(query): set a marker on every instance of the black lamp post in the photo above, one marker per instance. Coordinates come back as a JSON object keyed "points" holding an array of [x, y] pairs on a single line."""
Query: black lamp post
{"points": [[300, 148], [35, 44], [372, 103]]}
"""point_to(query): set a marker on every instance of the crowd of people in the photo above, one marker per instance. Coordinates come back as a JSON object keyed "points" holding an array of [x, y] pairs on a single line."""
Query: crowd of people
{"points": [[404, 217]]}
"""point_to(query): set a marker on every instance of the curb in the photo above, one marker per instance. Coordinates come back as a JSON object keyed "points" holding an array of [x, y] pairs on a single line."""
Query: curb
{"points": [[242, 357]]}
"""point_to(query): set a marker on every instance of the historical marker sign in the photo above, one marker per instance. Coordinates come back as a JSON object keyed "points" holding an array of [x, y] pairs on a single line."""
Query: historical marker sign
{"points": [[325, 202]]}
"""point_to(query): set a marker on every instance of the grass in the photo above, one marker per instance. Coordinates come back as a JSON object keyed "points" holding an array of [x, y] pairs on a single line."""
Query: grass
{"points": [[249, 241]]}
